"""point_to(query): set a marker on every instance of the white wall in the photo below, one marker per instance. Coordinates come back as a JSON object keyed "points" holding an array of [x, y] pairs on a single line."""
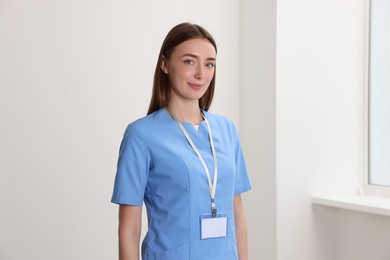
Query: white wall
{"points": [[73, 74], [315, 95], [319, 116], [320, 86]]}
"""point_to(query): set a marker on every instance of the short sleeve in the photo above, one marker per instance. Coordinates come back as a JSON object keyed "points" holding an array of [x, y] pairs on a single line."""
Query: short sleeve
{"points": [[132, 169], [242, 180]]}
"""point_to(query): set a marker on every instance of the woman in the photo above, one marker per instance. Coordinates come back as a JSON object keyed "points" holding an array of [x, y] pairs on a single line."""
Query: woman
{"points": [[183, 162]]}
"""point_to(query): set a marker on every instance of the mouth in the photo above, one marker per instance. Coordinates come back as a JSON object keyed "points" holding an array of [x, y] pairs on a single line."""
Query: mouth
{"points": [[196, 85]]}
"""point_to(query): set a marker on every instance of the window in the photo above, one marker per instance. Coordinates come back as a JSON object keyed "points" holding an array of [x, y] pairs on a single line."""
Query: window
{"points": [[379, 95]]}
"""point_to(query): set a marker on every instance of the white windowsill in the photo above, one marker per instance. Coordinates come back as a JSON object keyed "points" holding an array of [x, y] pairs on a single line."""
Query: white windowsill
{"points": [[363, 203]]}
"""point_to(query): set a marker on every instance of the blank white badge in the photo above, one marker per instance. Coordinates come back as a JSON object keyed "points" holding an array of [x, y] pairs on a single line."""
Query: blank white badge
{"points": [[213, 227]]}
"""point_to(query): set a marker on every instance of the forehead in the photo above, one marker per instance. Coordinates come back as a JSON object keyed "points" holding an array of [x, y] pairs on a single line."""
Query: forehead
{"points": [[199, 47]]}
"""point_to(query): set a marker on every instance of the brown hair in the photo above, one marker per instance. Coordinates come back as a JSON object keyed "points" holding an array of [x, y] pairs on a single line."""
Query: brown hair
{"points": [[161, 85]]}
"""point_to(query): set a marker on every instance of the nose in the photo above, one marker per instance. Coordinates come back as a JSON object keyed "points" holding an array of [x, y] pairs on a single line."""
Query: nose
{"points": [[200, 73]]}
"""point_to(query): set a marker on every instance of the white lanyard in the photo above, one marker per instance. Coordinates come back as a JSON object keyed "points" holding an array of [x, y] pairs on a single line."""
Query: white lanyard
{"points": [[212, 185]]}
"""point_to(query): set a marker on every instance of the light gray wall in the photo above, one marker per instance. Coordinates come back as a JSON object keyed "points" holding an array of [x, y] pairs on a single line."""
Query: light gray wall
{"points": [[257, 121], [73, 74]]}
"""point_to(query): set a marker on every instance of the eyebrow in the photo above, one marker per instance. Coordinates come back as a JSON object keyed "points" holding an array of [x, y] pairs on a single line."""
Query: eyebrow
{"points": [[195, 56]]}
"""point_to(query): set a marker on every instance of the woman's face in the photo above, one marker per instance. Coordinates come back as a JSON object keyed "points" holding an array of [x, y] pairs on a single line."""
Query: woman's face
{"points": [[190, 69]]}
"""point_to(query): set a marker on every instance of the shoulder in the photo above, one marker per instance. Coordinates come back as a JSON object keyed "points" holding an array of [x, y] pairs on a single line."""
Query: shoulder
{"points": [[144, 125], [219, 119], [222, 123]]}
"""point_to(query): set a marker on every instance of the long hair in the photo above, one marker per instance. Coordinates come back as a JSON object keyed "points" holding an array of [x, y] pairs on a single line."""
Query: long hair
{"points": [[161, 86]]}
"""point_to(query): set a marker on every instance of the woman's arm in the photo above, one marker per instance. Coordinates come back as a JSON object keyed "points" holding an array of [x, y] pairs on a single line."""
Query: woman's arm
{"points": [[241, 230], [129, 232]]}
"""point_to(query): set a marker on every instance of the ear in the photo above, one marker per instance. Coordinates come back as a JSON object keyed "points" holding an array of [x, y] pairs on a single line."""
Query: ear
{"points": [[164, 65]]}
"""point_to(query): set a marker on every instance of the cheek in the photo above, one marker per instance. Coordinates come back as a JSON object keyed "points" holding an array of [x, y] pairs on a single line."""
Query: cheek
{"points": [[210, 76], [179, 73]]}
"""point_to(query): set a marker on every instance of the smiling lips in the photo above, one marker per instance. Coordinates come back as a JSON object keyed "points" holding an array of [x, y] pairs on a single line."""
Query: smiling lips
{"points": [[196, 85]]}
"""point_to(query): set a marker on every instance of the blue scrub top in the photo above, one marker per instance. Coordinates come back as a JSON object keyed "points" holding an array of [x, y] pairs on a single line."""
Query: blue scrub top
{"points": [[158, 166]]}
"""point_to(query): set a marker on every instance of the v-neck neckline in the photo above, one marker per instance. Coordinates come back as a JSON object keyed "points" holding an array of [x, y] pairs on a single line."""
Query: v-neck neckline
{"points": [[200, 137]]}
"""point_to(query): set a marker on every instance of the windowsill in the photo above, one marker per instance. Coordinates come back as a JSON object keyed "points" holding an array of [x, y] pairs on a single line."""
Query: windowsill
{"points": [[362, 203]]}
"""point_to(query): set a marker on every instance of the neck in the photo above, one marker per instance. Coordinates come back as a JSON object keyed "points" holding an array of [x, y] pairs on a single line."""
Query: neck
{"points": [[187, 112]]}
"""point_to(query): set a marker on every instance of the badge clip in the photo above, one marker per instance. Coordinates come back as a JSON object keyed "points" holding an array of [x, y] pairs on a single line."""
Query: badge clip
{"points": [[213, 212]]}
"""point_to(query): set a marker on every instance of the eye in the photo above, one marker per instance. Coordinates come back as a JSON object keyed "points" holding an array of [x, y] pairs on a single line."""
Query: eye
{"points": [[210, 65], [189, 62]]}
